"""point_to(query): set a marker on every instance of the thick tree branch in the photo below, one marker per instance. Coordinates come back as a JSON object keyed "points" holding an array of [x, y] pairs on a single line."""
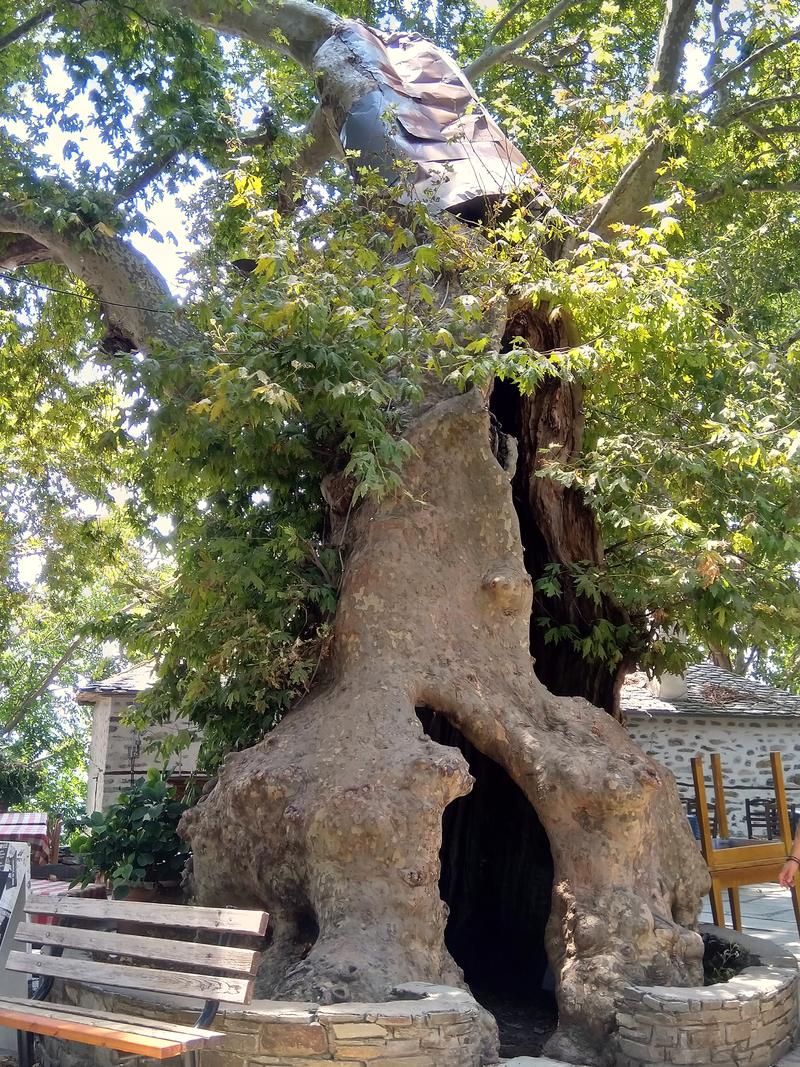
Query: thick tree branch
{"points": [[30, 698], [791, 338], [717, 47], [146, 175], [675, 29], [295, 28], [502, 22], [318, 143], [717, 192], [134, 297], [725, 118], [776, 129], [634, 187], [17, 251], [556, 60], [25, 27], [494, 54], [529, 63], [739, 69]]}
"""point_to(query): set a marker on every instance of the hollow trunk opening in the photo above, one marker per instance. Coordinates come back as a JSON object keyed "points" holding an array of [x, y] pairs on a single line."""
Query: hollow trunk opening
{"points": [[558, 530], [497, 881]]}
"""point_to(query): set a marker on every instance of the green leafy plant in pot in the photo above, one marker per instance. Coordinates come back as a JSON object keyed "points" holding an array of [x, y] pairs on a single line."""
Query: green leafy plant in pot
{"points": [[135, 846]]}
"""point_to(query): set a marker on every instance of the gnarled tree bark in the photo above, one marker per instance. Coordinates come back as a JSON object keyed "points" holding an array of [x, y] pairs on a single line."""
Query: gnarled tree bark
{"points": [[335, 819]]}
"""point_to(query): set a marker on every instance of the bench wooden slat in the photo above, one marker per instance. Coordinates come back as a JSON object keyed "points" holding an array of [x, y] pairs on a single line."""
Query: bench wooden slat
{"points": [[233, 920], [35, 1018], [167, 1029], [190, 1036], [241, 961], [205, 987]]}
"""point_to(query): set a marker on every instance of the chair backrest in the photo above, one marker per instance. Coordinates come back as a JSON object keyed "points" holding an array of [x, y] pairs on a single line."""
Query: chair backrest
{"points": [[152, 961]]}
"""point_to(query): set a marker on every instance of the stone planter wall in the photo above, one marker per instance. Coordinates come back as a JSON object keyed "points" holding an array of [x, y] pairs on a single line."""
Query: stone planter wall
{"points": [[438, 1028], [750, 1021]]}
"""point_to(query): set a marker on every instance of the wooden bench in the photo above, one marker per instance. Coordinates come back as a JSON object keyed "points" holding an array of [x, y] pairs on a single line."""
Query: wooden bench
{"points": [[144, 960]]}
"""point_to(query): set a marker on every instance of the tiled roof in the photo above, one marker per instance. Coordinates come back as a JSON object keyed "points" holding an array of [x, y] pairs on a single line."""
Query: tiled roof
{"points": [[134, 680], [710, 690]]}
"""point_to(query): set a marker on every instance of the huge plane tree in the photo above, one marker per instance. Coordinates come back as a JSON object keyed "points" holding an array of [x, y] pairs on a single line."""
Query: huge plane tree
{"points": [[436, 482]]}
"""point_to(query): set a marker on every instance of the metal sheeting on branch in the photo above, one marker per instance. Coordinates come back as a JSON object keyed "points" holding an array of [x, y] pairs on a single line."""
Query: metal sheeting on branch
{"points": [[424, 111]]}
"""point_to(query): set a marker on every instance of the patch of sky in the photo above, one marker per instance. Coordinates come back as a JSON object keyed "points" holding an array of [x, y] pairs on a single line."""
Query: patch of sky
{"points": [[68, 147]]}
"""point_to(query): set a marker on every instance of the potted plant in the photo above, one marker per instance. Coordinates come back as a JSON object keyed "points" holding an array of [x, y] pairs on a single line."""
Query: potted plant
{"points": [[135, 846]]}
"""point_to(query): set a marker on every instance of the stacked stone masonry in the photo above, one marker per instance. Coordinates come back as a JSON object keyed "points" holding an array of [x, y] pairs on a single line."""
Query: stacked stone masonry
{"points": [[749, 1021], [744, 746], [439, 1028]]}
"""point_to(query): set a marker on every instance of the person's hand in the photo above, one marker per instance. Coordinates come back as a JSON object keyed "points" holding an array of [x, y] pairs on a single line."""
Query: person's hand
{"points": [[789, 872]]}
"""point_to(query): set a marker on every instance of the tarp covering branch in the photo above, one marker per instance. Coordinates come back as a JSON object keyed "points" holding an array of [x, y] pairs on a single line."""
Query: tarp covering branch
{"points": [[424, 110]]}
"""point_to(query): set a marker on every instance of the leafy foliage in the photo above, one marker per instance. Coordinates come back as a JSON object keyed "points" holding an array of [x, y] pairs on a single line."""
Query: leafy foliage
{"points": [[316, 357], [68, 556], [136, 840], [17, 781], [688, 318]]}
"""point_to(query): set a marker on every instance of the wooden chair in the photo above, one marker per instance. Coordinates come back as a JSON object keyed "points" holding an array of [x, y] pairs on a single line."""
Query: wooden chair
{"points": [[761, 813], [740, 865], [145, 960], [690, 803]]}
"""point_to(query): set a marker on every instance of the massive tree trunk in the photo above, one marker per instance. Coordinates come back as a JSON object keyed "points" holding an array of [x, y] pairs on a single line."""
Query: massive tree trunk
{"points": [[335, 819]]}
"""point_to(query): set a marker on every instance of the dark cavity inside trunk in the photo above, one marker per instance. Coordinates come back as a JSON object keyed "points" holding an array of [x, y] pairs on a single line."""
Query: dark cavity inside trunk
{"points": [[497, 881], [556, 527]]}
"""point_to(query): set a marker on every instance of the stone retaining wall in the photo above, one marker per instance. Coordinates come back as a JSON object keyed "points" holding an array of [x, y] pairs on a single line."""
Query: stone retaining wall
{"points": [[438, 1028], [750, 1021]]}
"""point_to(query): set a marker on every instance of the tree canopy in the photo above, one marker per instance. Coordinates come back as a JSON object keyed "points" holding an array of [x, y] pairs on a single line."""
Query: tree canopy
{"points": [[664, 140]]}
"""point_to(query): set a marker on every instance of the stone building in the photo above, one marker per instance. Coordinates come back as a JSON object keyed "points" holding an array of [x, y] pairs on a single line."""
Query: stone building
{"points": [[119, 753], [713, 710]]}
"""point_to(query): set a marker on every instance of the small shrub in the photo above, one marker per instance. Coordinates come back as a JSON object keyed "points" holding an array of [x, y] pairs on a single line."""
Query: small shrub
{"points": [[723, 960], [136, 840]]}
